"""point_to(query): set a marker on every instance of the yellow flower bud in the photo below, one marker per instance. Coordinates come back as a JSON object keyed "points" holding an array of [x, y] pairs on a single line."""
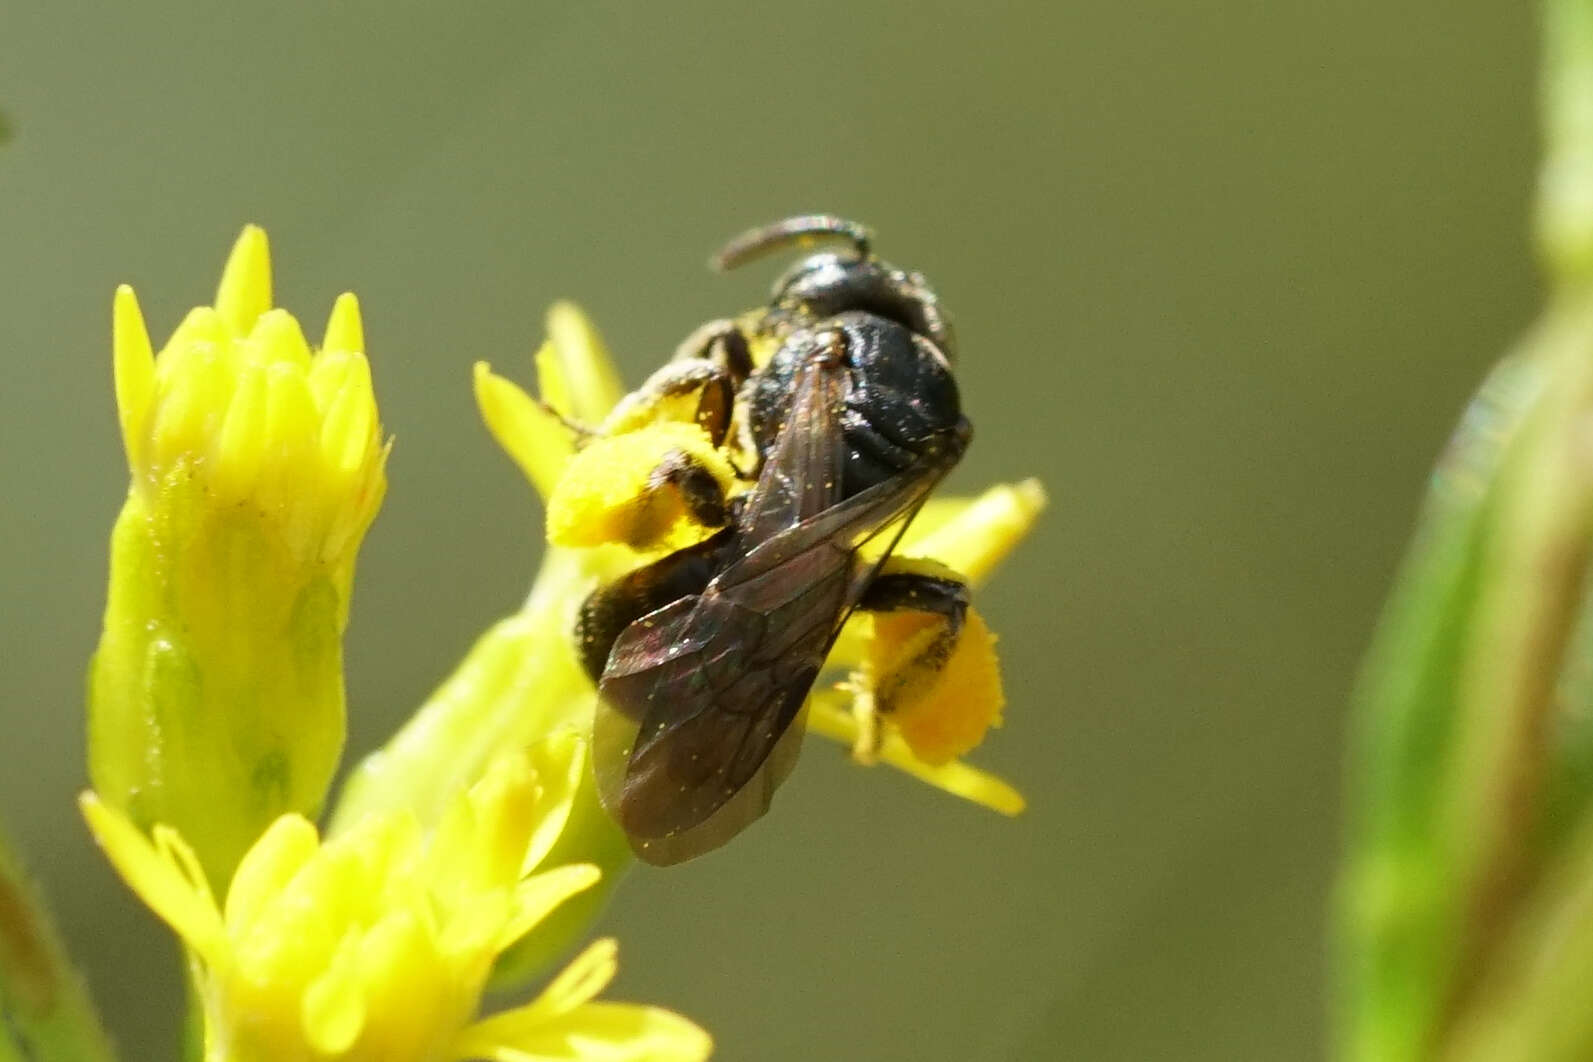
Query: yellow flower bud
{"points": [[216, 693], [521, 681]]}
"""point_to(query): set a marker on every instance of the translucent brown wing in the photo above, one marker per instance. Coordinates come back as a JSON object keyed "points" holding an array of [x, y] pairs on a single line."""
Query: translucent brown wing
{"points": [[801, 476], [696, 726], [697, 722]]}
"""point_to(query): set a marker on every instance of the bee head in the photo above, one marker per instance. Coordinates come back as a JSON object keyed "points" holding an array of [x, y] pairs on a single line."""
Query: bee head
{"points": [[827, 283]]}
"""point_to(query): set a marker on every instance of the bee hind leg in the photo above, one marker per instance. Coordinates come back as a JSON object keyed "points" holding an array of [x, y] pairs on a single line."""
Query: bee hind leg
{"points": [[904, 585], [938, 599]]}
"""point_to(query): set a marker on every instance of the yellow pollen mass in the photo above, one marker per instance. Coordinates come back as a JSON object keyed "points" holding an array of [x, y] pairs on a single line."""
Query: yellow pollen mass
{"points": [[942, 694], [619, 489]]}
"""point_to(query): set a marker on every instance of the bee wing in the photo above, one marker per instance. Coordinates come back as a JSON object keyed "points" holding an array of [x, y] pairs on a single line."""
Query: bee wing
{"points": [[801, 476], [694, 727], [697, 724]]}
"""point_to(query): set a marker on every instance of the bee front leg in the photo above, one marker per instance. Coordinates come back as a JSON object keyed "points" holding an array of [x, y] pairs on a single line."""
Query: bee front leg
{"points": [[699, 384]]}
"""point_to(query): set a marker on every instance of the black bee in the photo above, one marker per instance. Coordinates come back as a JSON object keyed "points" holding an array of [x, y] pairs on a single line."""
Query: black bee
{"points": [[705, 658]]}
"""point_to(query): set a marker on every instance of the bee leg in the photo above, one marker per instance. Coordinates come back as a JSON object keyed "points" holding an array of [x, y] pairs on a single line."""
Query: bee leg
{"points": [[608, 610], [901, 587], [906, 586], [695, 389], [722, 343], [698, 489], [583, 433]]}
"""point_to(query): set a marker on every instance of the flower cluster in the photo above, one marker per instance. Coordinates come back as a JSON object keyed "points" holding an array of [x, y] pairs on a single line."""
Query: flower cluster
{"points": [[471, 849], [377, 943], [216, 721], [601, 480]]}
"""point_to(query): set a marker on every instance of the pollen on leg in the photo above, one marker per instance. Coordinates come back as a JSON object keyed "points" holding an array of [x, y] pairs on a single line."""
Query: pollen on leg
{"points": [[660, 488], [940, 688]]}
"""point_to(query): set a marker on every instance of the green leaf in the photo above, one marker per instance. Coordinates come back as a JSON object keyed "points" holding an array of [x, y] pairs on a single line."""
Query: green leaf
{"points": [[1467, 759]]}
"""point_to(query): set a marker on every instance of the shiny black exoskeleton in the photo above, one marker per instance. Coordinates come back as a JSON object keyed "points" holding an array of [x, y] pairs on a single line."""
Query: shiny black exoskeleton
{"points": [[900, 394], [704, 658], [829, 282]]}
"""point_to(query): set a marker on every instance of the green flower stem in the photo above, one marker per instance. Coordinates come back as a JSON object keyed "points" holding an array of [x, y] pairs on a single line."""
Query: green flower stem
{"points": [[1565, 189], [1465, 924], [518, 684], [1458, 725], [1533, 585], [45, 1011], [1533, 1007], [1397, 909]]}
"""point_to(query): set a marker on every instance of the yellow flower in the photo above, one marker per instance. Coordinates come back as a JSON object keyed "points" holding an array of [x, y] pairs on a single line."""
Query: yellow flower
{"points": [[376, 944], [521, 680], [597, 496], [216, 693]]}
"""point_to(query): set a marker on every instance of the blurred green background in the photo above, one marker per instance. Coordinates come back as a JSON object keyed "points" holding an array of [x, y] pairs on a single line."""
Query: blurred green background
{"points": [[1224, 273]]}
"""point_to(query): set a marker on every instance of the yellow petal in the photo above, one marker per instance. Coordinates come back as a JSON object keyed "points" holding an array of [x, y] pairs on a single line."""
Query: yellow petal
{"points": [[474, 926], [292, 429], [505, 802], [979, 536], [351, 880], [334, 1005], [166, 887], [171, 847], [245, 290], [537, 896], [349, 430], [133, 364], [242, 441], [286, 846], [328, 373], [194, 392], [201, 327], [553, 386], [957, 778], [593, 382], [529, 432], [345, 331], [586, 975], [277, 337], [560, 764], [413, 997], [613, 1032], [828, 718]]}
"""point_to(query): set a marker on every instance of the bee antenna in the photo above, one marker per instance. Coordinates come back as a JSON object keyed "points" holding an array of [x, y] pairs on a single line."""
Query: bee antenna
{"points": [[803, 230]]}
